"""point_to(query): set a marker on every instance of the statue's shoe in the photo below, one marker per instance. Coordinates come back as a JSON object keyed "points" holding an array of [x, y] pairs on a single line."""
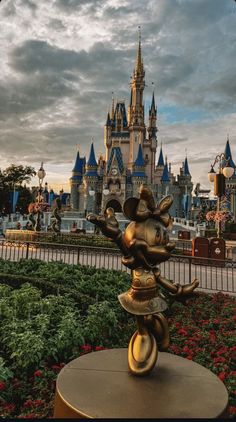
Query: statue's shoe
{"points": [[142, 353]]}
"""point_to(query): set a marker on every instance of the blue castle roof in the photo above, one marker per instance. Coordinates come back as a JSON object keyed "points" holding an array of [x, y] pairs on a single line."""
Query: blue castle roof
{"points": [[120, 107], [160, 159], [165, 174], [92, 160], [116, 152], [79, 164], [91, 166], [139, 164], [228, 154], [77, 171], [186, 169]]}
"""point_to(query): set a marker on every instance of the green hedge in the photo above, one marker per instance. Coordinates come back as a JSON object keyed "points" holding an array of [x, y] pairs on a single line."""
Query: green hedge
{"points": [[48, 287]]}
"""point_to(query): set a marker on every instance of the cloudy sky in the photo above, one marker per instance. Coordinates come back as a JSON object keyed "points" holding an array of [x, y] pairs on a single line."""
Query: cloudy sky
{"points": [[62, 59]]}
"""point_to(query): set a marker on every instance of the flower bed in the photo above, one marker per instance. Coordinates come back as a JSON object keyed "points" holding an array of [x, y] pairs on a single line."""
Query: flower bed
{"points": [[41, 332]]}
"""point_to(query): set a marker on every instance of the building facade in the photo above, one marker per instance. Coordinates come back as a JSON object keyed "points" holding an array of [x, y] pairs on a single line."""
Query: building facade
{"points": [[130, 159]]}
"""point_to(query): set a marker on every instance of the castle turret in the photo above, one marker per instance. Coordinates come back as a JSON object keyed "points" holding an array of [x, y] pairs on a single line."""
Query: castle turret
{"points": [[152, 125], [186, 187], [76, 180], [186, 168], [91, 165], [160, 162], [165, 180], [90, 182], [138, 174], [107, 135], [139, 164], [228, 154]]}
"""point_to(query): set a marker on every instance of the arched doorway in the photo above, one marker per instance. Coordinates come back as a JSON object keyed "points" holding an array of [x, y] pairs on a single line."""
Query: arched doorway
{"points": [[113, 203]]}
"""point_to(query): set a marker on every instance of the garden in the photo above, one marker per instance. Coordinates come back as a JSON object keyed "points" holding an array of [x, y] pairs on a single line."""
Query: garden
{"points": [[52, 313]]}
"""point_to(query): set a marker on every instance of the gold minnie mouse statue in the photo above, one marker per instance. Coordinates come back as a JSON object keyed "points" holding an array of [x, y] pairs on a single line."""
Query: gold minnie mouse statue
{"points": [[144, 245]]}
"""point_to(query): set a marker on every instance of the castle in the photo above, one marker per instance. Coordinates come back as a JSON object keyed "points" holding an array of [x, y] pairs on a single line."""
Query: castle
{"points": [[130, 159]]}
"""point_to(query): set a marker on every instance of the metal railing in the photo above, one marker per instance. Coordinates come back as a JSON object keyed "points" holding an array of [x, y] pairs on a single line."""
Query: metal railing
{"points": [[213, 275]]}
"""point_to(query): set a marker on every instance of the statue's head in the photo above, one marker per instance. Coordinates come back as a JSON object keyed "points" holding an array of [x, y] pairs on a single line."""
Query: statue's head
{"points": [[146, 237]]}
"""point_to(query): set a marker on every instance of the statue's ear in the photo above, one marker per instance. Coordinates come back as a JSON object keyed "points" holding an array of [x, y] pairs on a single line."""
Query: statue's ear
{"points": [[165, 203], [129, 208]]}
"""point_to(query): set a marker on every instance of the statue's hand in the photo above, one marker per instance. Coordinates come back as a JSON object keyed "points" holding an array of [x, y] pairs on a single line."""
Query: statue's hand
{"points": [[185, 292], [107, 223]]}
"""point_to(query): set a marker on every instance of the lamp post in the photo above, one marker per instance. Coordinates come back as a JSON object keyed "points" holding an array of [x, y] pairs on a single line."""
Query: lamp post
{"points": [[219, 181], [41, 174]]}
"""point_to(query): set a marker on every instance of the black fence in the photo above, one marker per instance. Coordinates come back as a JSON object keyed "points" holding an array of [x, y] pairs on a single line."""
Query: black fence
{"points": [[213, 275]]}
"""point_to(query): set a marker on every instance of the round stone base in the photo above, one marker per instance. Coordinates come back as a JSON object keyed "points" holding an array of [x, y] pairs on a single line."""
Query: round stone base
{"points": [[99, 385]]}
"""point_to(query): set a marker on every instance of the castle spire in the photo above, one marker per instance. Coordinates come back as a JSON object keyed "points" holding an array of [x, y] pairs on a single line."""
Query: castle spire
{"points": [[91, 165], [112, 107], [160, 159], [165, 174], [92, 160], [153, 105], [139, 162], [108, 122], [139, 61], [152, 125], [228, 154], [186, 168]]}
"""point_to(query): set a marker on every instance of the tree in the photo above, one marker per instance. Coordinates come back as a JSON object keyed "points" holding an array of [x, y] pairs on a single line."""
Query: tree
{"points": [[12, 179], [16, 175]]}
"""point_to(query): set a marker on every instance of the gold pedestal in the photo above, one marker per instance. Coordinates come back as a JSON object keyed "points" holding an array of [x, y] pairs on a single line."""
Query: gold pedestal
{"points": [[99, 385]]}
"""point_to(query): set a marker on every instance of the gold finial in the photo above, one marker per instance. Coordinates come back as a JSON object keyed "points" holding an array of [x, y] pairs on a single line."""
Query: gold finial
{"points": [[139, 62], [139, 34]]}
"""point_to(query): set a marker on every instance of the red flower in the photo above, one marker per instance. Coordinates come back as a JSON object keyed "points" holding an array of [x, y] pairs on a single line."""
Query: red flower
{"points": [[38, 374], [182, 332], [190, 357], [9, 407], [86, 348], [38, 403], [232, 410], [2, 385], [28, 403], [222, 376], [97, 348], [56, 367], [219, 360]]}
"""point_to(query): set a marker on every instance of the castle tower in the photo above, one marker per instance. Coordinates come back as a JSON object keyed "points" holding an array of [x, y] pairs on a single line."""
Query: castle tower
{"points": [[138, 175], [165, 180], [76, 181], [90, 182], [136, 109], [231, 183], [150, 145], [186, 187], [159, 167], [107, 135]]}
